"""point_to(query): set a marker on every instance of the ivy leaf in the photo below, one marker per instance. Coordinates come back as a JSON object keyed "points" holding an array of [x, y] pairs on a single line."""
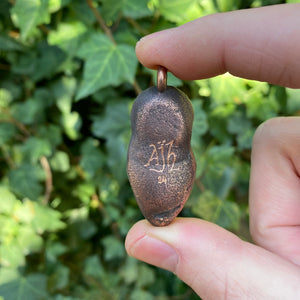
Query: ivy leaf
{"points": [[106, 64], [67, 36], [46, 218], [71, 123], [60, 278], [24, 181], [7, 131], [60, 162], [115, 121], [34, 148], [92, 159], [175, 10], [10, 44], [8, 200], [32, 286], [136, 8], [214, 209], [30, 13], [63, 91], [130, 8], [114, 126], [55, 5], [117, 159], [114, 248]]}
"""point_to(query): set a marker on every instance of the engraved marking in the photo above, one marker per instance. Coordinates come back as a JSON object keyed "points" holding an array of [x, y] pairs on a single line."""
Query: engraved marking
{"points": [[164, 156], [162, 179]]}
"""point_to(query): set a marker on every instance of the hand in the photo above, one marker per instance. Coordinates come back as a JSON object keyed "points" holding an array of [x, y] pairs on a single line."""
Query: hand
{"points": [[261, 44]]}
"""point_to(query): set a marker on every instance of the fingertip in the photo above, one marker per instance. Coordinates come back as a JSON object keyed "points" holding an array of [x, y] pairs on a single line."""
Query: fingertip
{"points": [[147, 51], [136, 233]]}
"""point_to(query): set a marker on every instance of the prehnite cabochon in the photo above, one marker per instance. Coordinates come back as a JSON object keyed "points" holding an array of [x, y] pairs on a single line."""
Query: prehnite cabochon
{"points": [[161, 166]]}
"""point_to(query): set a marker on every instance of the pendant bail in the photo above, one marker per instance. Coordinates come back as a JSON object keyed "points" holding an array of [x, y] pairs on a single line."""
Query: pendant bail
{"points": [[161, 79]]}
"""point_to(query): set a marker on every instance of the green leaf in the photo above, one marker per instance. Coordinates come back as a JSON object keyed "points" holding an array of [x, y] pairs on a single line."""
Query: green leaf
{"points": [[68, 36], [32, 286], [27, 112], [92, 159], [213, 209], [24, 181], [7, 132], [40, 63], [130, 8], [60, 278], [135, 8], [8, 200], [115, 127], [28, 240], [114, 248], [83, 12], [200, 125], [293, 102], [50, 132], [54, 250], [46, 219], [117, 158], [85, 192], [12, 256], [141, 294], [71, 123], [40, 217], [29, 14], [106, 64], [64, 91], [175, 10], [93, 267], [60, 162], [56, 5], [10, 44], [115, 121], [48, 61], [34, 148]]}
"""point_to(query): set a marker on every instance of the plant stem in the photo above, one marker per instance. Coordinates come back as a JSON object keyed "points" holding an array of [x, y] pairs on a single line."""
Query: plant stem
{"points": [[101, 22], [48, 182], [136, 87]]}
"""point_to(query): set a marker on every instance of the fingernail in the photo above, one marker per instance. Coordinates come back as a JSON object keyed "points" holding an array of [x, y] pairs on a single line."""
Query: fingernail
{"points": [[156, 252]]}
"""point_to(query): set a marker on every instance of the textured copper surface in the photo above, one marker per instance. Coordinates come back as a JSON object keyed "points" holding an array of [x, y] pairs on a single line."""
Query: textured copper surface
{"points": [[161, 165]]}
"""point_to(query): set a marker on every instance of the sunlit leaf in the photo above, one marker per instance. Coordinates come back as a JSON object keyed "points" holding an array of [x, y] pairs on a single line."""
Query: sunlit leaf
{"points": [[60, 162], [8, 200], [30, 13], [106, 64], [68, 36], [220, 211], [175, 10]]}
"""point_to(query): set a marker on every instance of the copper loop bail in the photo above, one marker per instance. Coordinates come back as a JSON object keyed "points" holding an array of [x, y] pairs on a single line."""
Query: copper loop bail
{"points": [[161, 79]]}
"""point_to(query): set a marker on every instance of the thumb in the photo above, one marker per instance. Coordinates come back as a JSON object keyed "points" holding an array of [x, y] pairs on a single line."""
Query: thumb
{"points": [[213, 261]]}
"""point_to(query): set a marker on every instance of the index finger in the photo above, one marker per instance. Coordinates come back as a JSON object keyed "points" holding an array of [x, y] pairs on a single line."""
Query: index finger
{"points": [[261, 44]]}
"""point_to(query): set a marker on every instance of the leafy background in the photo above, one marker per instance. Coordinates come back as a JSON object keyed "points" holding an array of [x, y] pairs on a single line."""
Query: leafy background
{"points": [[68, 77]]}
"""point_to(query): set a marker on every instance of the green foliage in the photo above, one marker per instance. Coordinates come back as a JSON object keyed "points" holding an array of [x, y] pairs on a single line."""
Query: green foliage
{"points": [[68, 78]]}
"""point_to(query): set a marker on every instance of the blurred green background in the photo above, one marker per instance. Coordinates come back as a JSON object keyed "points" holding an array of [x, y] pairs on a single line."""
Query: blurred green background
{"points": [[68, 78]]}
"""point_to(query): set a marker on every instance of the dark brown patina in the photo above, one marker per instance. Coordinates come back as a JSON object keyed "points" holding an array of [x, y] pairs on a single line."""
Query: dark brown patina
{"points": [[161, 165]]}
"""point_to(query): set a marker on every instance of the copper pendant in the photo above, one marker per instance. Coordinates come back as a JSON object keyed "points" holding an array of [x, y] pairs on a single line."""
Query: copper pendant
{"points": [[161, 166]]}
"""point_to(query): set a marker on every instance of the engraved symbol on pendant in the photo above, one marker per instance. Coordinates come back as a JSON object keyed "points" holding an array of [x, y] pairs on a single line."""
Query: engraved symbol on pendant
{"points": [[162, 159]]}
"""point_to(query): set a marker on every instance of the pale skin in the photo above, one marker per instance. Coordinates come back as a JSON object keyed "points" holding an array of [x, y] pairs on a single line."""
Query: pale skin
{"points": [[261, 44]]}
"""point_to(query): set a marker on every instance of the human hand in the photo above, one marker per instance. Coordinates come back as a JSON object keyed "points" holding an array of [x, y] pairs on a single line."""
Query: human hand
{"points": [[261, 44]]}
